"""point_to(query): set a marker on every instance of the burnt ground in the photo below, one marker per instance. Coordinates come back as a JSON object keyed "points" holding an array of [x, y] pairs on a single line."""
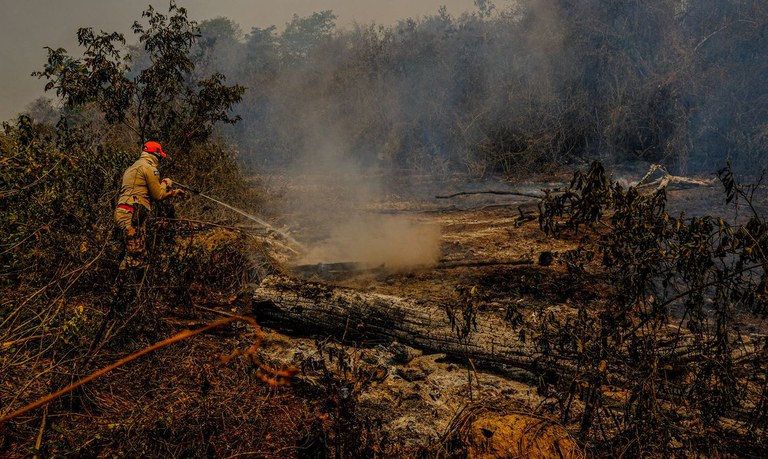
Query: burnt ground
{"points": [[361, 398], [352, 399], [491, 243]]}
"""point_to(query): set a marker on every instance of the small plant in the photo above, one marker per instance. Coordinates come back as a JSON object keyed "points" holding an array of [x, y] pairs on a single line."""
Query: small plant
{"points": [[343, 378], [583, 203], [463, 319]]}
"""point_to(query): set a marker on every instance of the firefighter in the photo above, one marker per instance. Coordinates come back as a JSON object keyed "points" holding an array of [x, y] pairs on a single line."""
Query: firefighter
{"points": [[141, 186]]}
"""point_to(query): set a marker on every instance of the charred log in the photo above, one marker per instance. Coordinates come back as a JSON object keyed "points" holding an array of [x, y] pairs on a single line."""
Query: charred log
{"points": [[316, 308]]}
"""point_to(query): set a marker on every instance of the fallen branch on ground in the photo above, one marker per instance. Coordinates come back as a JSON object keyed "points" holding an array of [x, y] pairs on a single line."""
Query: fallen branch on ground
{"points": [[277, 378], [475, 264], [503, 193], [667, 179]]}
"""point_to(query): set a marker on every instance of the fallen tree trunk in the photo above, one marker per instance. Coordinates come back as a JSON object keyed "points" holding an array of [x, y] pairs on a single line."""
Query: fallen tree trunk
{"points": [[347, 313], [315, 308]]}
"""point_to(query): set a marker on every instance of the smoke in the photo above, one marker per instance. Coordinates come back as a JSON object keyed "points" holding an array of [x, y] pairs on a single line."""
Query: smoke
{"points": [[364, 107], [332, 200], [336, 217], [394, 242]]}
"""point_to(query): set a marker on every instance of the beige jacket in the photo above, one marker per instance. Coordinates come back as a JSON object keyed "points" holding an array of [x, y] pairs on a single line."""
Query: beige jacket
{"points": [[142, 184]]}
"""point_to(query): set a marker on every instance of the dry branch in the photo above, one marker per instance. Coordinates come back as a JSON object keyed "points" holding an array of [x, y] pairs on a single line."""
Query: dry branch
{"points": [[666, 179], [503, 193], [477, 264]]}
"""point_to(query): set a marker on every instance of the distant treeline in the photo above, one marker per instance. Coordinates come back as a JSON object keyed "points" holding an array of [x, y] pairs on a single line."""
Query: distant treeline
{"points": [[505, 89]]}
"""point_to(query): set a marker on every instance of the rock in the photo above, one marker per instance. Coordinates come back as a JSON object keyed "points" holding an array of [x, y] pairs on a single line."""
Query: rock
{"points": [[402, 354], [496, 435], [419, 368]]}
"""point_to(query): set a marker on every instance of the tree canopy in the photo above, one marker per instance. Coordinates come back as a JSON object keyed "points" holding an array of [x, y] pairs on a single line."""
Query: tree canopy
{"points": [[159, 97]]}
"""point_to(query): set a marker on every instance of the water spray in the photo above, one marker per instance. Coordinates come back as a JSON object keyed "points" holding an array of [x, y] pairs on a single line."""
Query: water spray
{"points": [[261, 222]]}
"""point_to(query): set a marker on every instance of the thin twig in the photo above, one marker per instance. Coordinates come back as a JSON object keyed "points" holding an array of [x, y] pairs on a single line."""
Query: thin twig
{"points": [[39, 440]]}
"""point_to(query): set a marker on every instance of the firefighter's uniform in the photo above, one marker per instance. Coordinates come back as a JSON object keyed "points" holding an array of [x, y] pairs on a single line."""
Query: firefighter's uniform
{"points": [[140, 186]]}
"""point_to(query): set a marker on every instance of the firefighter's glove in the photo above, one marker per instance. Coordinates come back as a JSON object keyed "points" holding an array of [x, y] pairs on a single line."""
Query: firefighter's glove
{"points": [[167, 183]]}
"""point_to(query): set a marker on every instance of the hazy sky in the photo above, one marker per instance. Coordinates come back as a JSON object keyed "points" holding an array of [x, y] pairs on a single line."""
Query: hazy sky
{"points": [[26, 26]]}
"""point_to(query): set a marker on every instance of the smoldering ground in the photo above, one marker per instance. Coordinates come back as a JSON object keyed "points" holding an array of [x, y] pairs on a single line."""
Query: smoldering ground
{"points": [[331, 199], [390, 241]]}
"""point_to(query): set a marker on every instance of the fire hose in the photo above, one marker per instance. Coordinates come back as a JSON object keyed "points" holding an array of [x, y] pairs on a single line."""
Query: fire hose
{"points": [[261, 222]]}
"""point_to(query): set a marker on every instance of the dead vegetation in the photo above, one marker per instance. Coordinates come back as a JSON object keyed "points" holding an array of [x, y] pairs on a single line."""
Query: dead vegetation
{"points": [[568, 354]]}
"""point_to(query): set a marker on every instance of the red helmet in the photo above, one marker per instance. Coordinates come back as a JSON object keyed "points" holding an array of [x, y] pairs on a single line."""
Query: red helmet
{"points": [[154, 148]]}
